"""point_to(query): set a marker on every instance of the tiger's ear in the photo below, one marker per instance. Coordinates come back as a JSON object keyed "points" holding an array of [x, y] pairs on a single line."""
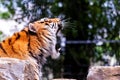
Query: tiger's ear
{"points": [[32, 28]]}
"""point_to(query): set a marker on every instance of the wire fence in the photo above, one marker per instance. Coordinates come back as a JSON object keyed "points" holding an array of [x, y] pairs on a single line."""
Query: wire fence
{"points": [[92, 41], [63, 42]]}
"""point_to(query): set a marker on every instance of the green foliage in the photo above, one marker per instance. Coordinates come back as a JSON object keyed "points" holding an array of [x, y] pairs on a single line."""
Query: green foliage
{"points": [[0, 32], [5, 15], [103, 19]]}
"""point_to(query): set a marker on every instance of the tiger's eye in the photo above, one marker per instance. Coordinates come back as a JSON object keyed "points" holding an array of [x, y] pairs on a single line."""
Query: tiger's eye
{"points": [[42, 22], [46, 23]]}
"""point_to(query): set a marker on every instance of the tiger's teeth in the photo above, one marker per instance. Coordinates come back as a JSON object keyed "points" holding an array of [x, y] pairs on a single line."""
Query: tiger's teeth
{"points": [[59, 49]]}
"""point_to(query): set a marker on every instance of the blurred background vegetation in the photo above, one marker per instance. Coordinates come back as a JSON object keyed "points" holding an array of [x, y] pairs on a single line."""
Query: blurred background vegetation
{"points": [[92, 32]]}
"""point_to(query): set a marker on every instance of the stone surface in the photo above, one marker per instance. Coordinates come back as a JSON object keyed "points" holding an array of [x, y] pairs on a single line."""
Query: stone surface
{"points": [[104, 73], [64, 79], [15, 69]]}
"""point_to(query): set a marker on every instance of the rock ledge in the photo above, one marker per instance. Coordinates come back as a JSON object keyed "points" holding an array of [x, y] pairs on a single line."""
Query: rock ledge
{"points": [[104, 73], [15, 69]]}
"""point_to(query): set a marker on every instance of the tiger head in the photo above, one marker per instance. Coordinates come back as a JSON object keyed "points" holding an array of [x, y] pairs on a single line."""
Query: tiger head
{"points": [[54, 25], [46, 31]]}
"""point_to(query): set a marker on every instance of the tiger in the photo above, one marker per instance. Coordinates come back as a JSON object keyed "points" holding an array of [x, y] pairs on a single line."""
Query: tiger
{"points": [[37, 40]]}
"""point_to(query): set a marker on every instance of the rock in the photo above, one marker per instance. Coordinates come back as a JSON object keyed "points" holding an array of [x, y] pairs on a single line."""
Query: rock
{"points": [[64, 79], [15, 69], [104, 73]]}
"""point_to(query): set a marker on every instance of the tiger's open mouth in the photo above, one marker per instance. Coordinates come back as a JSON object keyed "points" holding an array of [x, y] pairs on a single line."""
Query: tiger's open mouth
{"points": [[60, 26]]}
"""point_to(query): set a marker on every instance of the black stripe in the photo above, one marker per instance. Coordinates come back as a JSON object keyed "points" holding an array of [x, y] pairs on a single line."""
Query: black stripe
{"points": [[40, 50], [53, 25], [3, 41], [9, 41], [29, 43], [48, 38], [18, 36], [29, 47], [25, 31], [3, 48], [13, 49], [31, 54], [45, 50]]}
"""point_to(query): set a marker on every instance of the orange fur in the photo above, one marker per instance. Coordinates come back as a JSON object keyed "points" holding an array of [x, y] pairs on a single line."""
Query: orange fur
{"points": [[36, 39]]}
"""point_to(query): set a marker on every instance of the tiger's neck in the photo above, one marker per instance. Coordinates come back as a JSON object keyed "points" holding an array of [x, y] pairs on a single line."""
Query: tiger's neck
{"points": [[22, 44]]}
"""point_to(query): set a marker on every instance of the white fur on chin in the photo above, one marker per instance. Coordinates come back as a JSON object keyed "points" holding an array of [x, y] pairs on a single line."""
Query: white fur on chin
{"points": [[55, 56]]}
